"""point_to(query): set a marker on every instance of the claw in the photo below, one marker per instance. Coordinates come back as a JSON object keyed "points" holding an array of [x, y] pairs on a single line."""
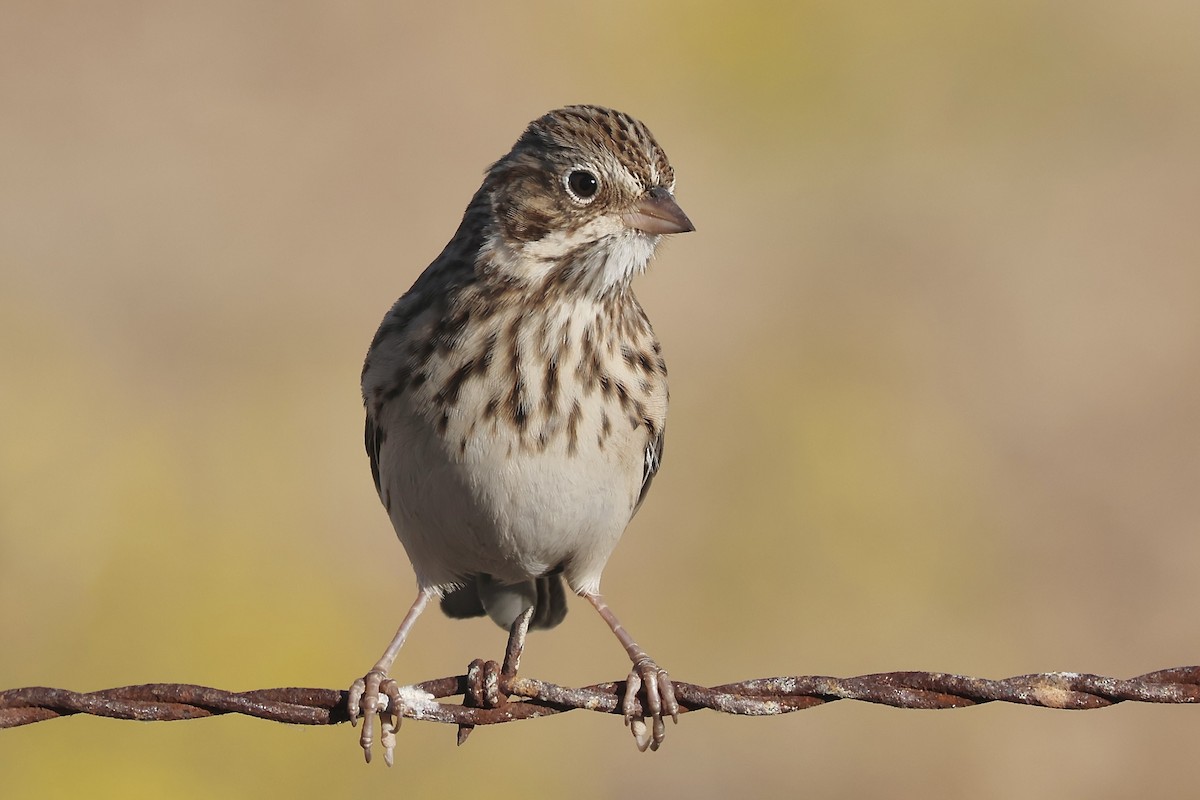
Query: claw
{"points": [[391, 717], [389, 723], [659, 697], [641, 734], [667, 689], [633, 685], [376, 697], [368, 736], [660, 692], [355, 697], [364, 696]]}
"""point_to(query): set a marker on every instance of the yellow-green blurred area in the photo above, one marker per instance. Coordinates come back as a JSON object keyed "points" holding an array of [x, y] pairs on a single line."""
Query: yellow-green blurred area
{"points": [[934, 358]]}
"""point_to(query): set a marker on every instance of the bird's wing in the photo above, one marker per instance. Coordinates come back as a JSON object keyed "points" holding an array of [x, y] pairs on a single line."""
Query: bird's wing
{"points": [[650, 465], [374, 440]]}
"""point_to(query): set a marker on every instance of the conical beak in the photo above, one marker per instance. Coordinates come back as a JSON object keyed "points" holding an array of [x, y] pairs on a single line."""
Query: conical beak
{"points": [[657, 212]]}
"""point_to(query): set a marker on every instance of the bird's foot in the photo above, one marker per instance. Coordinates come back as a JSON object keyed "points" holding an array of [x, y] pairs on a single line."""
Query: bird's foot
{"points": [[376, 695], [659, 699]]}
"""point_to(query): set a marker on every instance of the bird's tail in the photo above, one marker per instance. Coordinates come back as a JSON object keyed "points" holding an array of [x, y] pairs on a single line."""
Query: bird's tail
{"points": [[504, 602]]}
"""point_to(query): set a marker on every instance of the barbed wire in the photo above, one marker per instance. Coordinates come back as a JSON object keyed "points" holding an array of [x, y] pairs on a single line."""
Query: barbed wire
{"points": [[490, 697]]}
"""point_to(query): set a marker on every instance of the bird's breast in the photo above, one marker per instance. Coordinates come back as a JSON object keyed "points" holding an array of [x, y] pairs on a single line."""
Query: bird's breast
{"points": [[519, 448]]}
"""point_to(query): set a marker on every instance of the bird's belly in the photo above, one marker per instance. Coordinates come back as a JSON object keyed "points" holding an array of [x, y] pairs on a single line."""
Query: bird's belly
{"points": [[492, 501]]}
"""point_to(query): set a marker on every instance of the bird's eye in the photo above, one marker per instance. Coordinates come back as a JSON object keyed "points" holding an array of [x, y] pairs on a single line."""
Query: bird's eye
{"points": [[582, 185]]}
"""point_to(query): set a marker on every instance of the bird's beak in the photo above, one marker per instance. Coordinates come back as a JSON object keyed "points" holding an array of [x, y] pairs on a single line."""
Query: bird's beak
{"points": [[657, 212]]}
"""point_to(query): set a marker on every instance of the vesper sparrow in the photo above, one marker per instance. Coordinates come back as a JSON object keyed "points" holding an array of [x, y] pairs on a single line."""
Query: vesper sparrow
{"points": [[516, 395]]}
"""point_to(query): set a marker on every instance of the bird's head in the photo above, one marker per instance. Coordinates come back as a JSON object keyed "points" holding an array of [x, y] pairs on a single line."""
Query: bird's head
{"points": [[586, 191]]}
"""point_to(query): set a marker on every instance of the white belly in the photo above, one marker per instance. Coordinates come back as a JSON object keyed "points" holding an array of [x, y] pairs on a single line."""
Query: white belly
{"points": [[514, 512]]}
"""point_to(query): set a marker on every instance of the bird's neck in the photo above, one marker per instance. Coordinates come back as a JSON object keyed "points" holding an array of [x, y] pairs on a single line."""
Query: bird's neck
{"points": [[566, 265]]}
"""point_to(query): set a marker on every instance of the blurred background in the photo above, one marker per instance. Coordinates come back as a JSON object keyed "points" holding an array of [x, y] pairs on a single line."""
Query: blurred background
{"points": [[933, 352]]}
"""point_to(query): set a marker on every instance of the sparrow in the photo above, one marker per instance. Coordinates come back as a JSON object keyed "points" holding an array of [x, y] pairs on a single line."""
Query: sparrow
{"points": [[516, 396]]}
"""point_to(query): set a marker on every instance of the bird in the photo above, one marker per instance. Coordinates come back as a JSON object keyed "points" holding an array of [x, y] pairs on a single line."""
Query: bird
{"points": [[516, 396]]}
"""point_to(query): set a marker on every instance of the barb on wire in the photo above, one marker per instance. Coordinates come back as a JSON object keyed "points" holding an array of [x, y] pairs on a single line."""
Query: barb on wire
{"points": [[533, 698]]}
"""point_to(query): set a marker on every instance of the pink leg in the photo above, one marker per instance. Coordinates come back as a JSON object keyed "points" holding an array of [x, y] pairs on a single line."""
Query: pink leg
{"points": [[660, 692], [365, 692]]}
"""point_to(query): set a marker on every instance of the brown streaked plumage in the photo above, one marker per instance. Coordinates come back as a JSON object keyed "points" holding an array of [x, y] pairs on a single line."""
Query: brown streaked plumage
{"points": [[516, 395]]}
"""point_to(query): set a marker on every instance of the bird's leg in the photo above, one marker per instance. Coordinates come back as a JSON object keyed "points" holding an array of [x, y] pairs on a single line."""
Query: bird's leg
{"points": [[660, 692], [365, 692]]}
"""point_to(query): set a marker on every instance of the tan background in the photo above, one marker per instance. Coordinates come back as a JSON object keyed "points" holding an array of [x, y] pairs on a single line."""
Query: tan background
{"points": [[933, 349]]}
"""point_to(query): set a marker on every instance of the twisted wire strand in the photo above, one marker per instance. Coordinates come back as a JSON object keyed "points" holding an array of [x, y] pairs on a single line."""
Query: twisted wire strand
{"points": [[532, 698]]}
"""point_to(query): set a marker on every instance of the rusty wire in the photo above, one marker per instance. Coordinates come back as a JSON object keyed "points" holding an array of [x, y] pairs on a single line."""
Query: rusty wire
{"points": [[491, 697]]}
